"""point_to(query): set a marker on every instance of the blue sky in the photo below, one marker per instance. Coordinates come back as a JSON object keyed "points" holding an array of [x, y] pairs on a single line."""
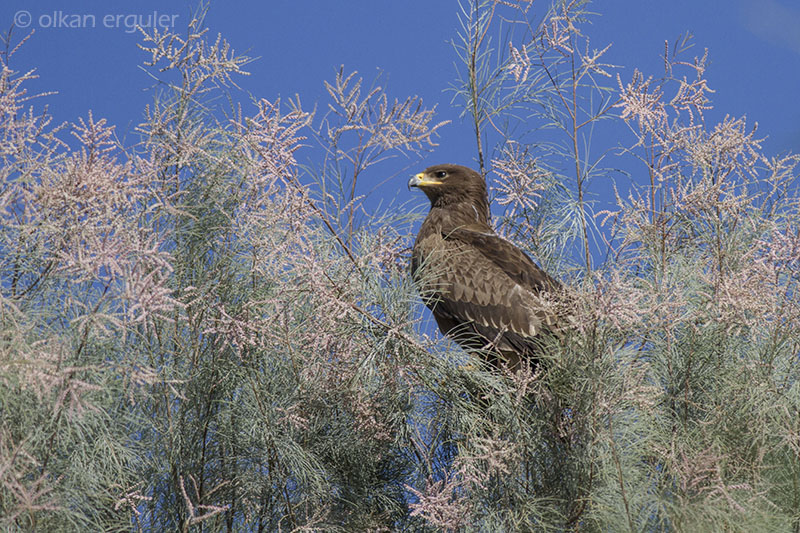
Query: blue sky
{"points": [[754, 48]]}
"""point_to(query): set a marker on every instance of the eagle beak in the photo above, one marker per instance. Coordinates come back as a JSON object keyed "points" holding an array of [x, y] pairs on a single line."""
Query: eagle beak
{"points": [[420, 181], [415, 181]]}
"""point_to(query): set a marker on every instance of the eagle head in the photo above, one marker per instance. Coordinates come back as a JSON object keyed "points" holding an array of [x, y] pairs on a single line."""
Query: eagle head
{"points": [[447, 186]]}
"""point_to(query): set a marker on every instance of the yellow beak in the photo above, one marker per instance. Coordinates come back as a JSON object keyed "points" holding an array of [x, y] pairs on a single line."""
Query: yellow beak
{"points": [[421, 180]]}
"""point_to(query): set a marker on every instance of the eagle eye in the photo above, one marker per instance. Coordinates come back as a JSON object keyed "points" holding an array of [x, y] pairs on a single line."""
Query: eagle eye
{"points": [[441, 174]]}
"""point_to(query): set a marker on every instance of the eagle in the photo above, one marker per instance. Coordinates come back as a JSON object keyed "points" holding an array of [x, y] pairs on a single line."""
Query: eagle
{"points": [[484, 292]]}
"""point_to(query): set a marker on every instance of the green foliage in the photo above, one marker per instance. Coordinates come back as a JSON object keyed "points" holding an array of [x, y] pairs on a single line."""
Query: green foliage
{"points": [[201, 334]]}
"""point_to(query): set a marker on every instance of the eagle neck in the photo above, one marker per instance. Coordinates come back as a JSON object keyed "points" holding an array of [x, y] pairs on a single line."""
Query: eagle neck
{"points": [[458, 214]]}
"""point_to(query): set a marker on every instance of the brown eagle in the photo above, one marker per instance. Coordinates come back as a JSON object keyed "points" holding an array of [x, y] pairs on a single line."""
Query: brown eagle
{"points": [[484, 292]]}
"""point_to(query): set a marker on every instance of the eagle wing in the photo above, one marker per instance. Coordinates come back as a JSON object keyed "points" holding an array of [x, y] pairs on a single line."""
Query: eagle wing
{"points": [[483, 284]]}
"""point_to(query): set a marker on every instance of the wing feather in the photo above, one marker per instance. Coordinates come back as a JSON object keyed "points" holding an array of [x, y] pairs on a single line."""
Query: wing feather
{"points": [[481, 278]]}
